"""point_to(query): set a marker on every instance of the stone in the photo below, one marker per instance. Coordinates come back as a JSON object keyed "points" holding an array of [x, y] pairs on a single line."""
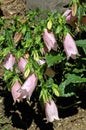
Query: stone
{"points": [[50, 5]]}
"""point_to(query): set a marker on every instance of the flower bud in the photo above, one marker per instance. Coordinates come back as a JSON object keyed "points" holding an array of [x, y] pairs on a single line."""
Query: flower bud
{"points": [[14, 91], [49, 40], [70, 47], [51, 111], [9, 62]]}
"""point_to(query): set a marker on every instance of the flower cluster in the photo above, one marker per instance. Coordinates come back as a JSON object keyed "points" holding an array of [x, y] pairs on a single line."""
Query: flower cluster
{"points": [[37, 57], [68, 43]]}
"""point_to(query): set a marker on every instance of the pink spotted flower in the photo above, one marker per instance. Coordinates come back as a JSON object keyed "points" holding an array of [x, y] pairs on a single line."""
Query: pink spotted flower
{"points": [[70, 47], [49, 40], [51, 111]]}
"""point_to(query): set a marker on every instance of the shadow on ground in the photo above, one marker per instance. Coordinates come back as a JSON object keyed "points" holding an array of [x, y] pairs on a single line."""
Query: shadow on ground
{"points": [[23, 114]]}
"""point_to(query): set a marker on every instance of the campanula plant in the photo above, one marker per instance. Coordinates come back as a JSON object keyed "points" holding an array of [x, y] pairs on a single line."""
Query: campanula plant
{"points": [[44, 57]]}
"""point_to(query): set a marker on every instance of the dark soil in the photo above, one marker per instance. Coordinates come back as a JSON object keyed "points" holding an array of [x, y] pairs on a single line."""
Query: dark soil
{"points": [[25, 116]]}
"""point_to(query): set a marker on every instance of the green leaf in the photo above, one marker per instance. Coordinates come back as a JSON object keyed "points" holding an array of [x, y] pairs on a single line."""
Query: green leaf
{"points": [[78, 70], [71, 78], [7, 75], [82, 43], [24, 29], [44, 95], [59, 29], [62, 88], [80, 12], [51, 60], [55, 89], [1, 39], [6, 51]]}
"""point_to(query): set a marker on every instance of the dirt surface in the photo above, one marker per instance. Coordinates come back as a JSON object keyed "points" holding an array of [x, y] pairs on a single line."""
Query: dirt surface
{"points": [[13, 7], [24, 116]]}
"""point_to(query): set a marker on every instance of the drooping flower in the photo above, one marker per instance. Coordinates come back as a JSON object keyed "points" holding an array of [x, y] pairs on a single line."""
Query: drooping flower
{"points": [[22, 63], [14, 91], [69, 17], [28, 87], [70, 47], [51, 111], [9, 62], [49, 40]]}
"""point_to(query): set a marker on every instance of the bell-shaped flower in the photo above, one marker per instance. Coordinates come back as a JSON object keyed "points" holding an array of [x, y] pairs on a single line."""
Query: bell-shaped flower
{"points": [[28, 87], [70, 47], [51, 111], [49, 40], [14, 91], [22, 63], [69, 17], [9, 62]]}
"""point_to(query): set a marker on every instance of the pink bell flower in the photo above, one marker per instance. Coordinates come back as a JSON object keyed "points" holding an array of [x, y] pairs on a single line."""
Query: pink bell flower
{"points": [[22, 63], [28, 87], [14, 91], [49, 40], [9, 62], [70, 47], [69, 18], [51, 111]]}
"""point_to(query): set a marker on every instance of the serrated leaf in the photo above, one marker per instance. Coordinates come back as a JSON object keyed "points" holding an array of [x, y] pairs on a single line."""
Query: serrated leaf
{"points": [[80, 12], [71, 78], [82, 43], [51, 60], [78, 70], [1, 39], [59, 29], [6, 51], [7, 75], [55, 89], [62, 88]]}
